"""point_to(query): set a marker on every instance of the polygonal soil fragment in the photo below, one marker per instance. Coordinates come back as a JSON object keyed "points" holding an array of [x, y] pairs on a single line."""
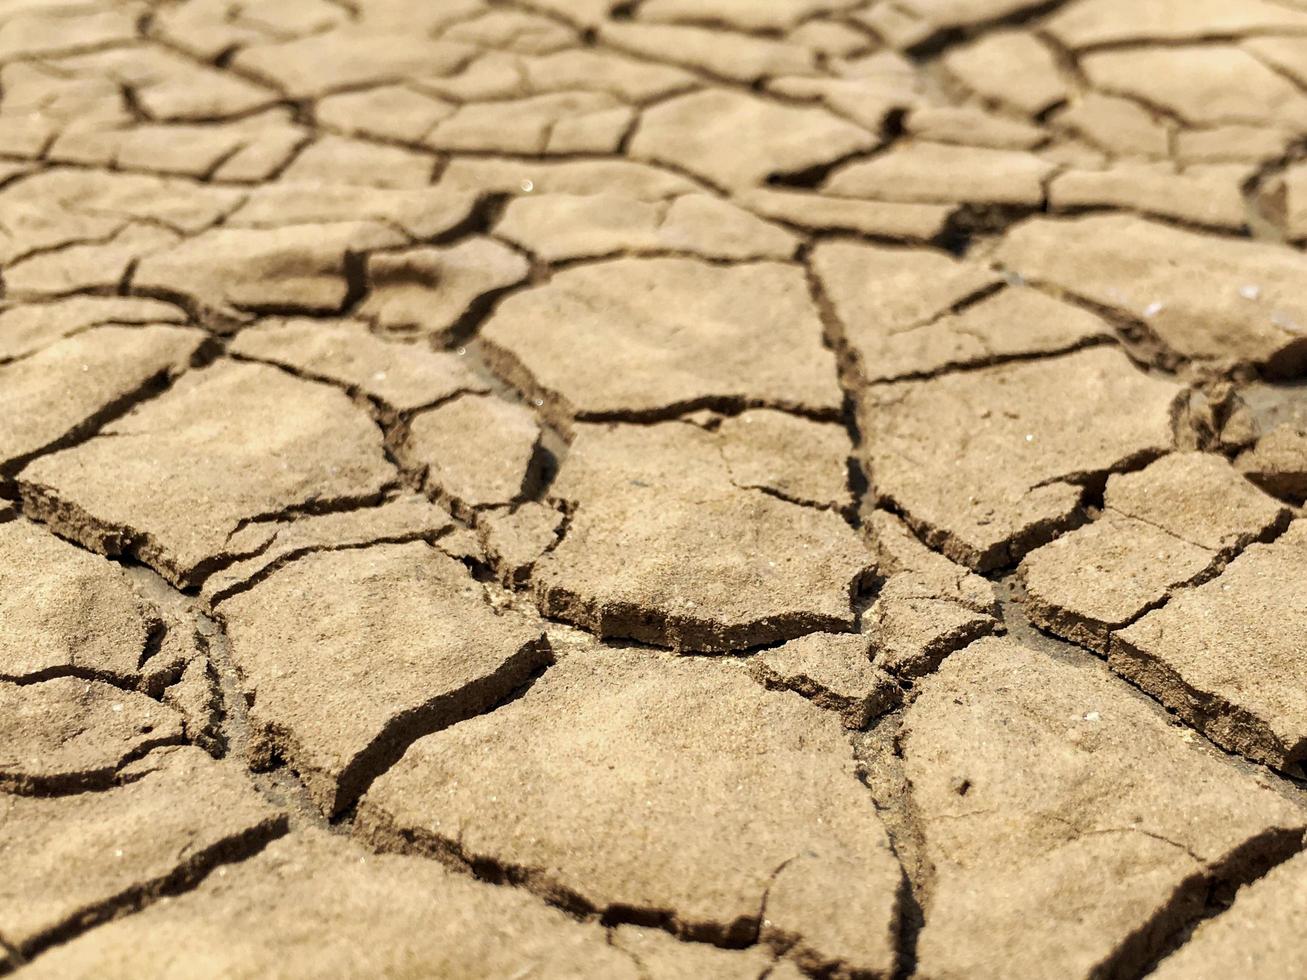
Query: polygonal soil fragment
{"points": [[881, 219], [833, 671], [69, 387], [986, 464], [1213, 300], [1117, 126], [745, 798], [299, 268], [407, 518], [927, 606], [1278, 463], [1071, 830], [663, 547], [877, 291], [402, 377], [433, 291], [1102, 22], [1199, 497], [737, 140], [648, 338], [581, 68], [1233, 144], [244, 149], [477, 450], [72, 861], [26, 329], [350, 655], [171, 482], [739, 57], [913, 625], [343, 59], [1101, 577], [1010, 67], [916, 313], [90, 267], [899, 553], [1227, 656], [367, 914], [558, 227], [1171, 524], [1209, 196], [972, 127], [60, 207], [70, 734], [61, 28], [420, 213], [555, 123], [1258, 936], [66, 611], [514, 539], [339, 160], [170, 87], [1202, 84], [925, 173], [793, 458]]}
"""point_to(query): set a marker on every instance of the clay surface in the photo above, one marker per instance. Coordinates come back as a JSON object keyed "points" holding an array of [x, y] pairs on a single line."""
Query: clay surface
{"points": [[137, 503], [632, 563], [339, 701], [1174, 523], [648, 338], [1021, 438], [805, 840], [1012, 888], [772, 489], [1246, 695], [251, 919], [79, 859]]}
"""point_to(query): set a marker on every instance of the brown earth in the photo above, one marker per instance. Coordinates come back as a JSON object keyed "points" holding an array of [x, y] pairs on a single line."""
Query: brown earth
{"points": [[653, 488]]}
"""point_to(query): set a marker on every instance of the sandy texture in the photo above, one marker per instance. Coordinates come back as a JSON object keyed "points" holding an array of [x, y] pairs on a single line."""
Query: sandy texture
{"points": [[730, 824], [772, 489]]}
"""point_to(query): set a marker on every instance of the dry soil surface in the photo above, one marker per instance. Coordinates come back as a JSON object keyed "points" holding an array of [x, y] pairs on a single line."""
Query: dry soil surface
{"points": [[653, 488]]}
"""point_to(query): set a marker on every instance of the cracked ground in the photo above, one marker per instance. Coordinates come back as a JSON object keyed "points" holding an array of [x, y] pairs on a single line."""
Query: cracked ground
{"points": [[654, 489]]}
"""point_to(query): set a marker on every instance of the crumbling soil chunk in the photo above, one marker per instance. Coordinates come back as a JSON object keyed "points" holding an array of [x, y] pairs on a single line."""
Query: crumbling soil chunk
{"points": [[1010, 447], [172, 481], [1109, 862], [67, 389], [65, 611], [383, 914], [1227, 656], [644, 499], [350, 655], [72, 861], [648, 338], [777, 824], [71, 734], [1174, 523]]}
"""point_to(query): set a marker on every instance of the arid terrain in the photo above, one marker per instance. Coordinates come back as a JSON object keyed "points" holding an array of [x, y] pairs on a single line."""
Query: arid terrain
{"points": [[653, 489]]}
